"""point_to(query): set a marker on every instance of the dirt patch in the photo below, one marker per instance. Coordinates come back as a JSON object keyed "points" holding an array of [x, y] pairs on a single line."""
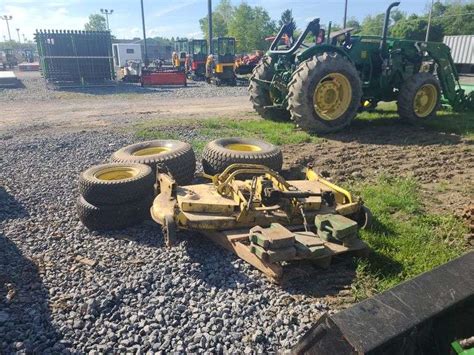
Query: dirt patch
{"points": [[442, 163]]}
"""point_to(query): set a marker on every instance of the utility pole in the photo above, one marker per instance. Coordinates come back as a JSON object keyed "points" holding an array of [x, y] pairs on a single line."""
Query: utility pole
{"points": [[24, 38], [209, 16], [144, 34], [18, 33], [107, 12], [345, 15], [429, 22], [7, 18]]}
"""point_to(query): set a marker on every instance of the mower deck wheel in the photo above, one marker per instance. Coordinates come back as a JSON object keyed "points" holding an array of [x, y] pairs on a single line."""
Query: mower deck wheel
{"points": [[116, 183], [174, 156], [221, 153]]}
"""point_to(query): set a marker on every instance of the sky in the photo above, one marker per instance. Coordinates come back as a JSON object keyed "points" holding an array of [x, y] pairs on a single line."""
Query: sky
{"points": [[171, 18]]}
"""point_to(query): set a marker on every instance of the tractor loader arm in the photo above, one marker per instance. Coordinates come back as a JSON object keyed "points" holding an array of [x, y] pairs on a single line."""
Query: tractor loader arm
{"points": [[447, 75]]}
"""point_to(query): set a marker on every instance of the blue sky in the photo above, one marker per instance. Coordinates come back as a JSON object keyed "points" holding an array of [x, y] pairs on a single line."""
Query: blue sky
{"points": [[172, 18]]}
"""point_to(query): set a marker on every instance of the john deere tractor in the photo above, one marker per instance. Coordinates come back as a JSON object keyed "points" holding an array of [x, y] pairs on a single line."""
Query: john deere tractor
{"points": [[220, 63], [196, 60], [321, 86]]}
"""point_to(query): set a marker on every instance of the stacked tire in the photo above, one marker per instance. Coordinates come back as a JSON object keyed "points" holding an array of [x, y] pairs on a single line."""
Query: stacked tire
{"points": [[221, 153], [115, 196]]}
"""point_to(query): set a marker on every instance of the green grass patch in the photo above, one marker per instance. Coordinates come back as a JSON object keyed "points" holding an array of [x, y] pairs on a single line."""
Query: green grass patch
{"points": [[279, 133], [446, 121], [405, 240]]}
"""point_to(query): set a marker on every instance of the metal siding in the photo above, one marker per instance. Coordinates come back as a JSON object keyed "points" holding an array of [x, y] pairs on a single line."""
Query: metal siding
{"points": [[462, 48]]}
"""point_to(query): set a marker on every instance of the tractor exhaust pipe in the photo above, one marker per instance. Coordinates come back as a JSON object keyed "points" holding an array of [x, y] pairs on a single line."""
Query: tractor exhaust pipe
{"points": [[383, 43]]}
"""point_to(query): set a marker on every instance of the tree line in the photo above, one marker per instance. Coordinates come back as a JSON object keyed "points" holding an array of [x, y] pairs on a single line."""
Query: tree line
{"points": [[250, 25]]}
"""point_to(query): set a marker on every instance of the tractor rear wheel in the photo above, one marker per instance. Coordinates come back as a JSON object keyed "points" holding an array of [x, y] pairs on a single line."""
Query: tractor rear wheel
{"points": [[260, 95], [419, 97], [324, 93]]}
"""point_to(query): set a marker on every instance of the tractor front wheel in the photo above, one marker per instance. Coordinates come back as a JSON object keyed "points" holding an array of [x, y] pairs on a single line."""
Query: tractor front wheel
{"points": [[260, 95], [419, 97], [324, 93]]}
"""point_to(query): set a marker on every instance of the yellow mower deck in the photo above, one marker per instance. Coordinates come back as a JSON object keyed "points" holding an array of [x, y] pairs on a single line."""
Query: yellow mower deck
{"points": [[225, 209]]}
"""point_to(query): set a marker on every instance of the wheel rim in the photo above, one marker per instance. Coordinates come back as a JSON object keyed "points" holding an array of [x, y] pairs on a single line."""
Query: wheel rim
{"points": [[151, 151], [425, 100], [240, 147], [332, 96], [116, 173]]}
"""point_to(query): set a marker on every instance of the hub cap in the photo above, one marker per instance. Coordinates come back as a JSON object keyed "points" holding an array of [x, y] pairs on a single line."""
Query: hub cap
{"points": [[240, 147], [425, 100], [151, 151], [332, 96], [116, 173]]}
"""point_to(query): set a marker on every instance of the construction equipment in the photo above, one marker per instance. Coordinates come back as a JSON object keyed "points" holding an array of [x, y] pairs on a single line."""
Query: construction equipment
{"points": [[323, 85], [179, 55], [7, 59], [220, 63], [289, 220], [245, 64], [196, 59]]}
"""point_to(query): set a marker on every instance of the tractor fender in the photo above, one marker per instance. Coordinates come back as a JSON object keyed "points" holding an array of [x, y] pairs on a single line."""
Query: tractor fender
{"points": [[320, 49]]}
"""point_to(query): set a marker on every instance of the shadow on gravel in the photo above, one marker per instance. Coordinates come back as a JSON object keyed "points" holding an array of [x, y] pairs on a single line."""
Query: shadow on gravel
{"points": [[24, 313], [392, 131]]}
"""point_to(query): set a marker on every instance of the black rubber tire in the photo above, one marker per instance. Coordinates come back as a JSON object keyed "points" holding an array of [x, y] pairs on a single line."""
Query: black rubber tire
{"points": [[112, 217], [216, 157], [407, 93], [179, 161], [364, 218], [303, 83], [260, 95], [114, 192]]}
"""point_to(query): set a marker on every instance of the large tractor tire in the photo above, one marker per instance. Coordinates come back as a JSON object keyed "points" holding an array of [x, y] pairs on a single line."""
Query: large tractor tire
{"points": [[419, 97], [260, 95], [324, 93], [221, 153], [174, 156], [116, 183], [112, 217]]}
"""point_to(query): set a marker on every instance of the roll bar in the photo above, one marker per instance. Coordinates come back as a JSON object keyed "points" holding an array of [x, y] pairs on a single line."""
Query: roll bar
{"points": [[312, 27]]}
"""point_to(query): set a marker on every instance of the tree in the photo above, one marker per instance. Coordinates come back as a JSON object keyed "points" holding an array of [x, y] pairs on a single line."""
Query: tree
{"points": [[414, 28], [250, 26], [352, 22], [219, 26], [96, 23], [287, 18]]}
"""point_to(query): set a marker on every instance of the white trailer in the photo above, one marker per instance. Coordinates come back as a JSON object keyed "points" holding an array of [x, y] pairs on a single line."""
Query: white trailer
{"points": [[462, 51], [126, 51]]}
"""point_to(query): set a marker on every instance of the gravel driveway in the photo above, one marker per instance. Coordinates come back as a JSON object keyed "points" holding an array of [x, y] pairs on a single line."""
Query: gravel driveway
{"points": [[63, 288]]}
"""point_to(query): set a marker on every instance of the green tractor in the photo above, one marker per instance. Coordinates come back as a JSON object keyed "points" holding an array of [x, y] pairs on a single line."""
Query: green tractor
{"points": [[321, 86]]}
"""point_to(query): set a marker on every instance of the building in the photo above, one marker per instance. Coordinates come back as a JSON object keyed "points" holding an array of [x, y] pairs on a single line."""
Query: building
{"points": [[462, 51]]}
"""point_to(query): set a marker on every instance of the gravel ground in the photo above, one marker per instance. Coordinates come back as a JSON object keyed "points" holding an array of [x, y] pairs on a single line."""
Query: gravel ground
{"points": [[34, 88], [134, 294]]}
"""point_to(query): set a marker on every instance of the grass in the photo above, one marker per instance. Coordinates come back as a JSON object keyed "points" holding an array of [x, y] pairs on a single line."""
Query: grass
{"points": [[405, 239], [279, 133], [447, 121]]}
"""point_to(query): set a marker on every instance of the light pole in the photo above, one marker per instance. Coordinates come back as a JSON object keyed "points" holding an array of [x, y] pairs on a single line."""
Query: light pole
{"points": [[144, 34], [345, 15], [209, 15], [429, 22], [7, 18], [107, 12], [24, 38], [18, 33]]}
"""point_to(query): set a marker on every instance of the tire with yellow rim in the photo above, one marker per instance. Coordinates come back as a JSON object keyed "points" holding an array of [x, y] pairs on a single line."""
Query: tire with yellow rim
{"points": [[174, 157], [324, 93], [419, 97], [221, 153], [116, 183]]}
